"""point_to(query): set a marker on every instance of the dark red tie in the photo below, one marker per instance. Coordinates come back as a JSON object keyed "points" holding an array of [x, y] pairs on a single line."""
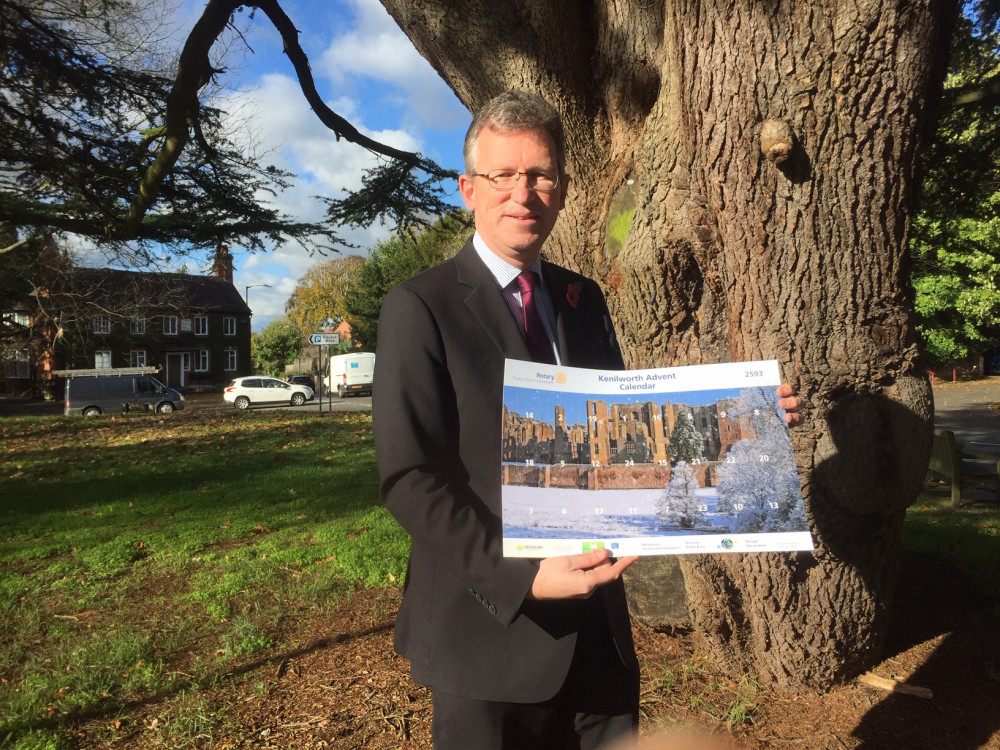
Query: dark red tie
{"points": [[534, 331]]}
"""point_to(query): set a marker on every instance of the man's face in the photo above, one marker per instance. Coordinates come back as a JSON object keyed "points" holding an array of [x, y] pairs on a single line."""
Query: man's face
{"points": [[514, 223]]}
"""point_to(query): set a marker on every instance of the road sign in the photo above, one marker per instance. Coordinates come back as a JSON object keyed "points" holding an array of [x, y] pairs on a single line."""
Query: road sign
{"points": [[324, 339]]}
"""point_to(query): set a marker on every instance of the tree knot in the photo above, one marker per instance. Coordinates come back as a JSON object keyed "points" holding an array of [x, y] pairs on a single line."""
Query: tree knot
{"points": [[776, 141]]}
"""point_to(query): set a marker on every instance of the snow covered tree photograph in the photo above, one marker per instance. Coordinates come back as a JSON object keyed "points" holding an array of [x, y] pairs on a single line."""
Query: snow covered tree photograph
{"points": [[758, 484], [679, 504]]}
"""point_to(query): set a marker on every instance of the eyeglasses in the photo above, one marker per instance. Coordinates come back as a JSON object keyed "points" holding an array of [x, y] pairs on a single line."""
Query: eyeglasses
{"points": [[506, 179]]}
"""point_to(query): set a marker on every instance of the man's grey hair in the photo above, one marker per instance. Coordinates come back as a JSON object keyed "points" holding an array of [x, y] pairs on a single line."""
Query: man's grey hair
{"points": [[511, 112]]}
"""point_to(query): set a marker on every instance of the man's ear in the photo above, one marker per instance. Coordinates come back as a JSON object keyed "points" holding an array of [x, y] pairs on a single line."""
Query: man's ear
{"points": [[563, 187], [466, 185]]}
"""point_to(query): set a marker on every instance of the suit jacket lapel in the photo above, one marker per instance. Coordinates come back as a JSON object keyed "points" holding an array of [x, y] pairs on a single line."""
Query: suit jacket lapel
{"points": [[584, 331], [567, 320], [485, 301]]}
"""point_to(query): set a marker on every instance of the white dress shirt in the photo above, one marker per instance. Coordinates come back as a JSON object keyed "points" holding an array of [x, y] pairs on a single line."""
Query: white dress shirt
{"points": [[506, 278]]}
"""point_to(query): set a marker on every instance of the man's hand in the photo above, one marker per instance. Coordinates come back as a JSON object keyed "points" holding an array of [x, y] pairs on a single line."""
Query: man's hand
{"points": [[791, 403], [576, 576]]}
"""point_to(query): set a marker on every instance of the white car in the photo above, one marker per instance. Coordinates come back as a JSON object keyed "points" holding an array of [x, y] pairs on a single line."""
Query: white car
{"points": [[257, 389]]}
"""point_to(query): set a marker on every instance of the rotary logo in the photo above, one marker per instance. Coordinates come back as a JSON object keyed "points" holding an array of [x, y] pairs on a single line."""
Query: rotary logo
{"points": [[561, 378]]}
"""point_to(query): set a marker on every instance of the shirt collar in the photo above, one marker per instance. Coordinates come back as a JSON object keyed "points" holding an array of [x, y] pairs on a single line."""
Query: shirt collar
{"points": [[502, 271]]}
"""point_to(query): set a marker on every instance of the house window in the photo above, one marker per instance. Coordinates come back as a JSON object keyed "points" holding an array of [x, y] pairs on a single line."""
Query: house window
{"points": [[230, 360], [137, 358], [229, 326], [201, 325], [102, 359], [138, 324], [102, 324], [17, 319], [169, 325], [201, 360], [16, 364]]}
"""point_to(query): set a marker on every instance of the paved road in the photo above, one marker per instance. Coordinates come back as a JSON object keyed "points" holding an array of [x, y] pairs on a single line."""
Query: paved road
{"points": [[11, 406], [965, 409], [21, 407], [350, 403]]}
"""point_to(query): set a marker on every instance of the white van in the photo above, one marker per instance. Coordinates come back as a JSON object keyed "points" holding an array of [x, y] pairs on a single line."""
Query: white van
{"points": [[351, 373]]}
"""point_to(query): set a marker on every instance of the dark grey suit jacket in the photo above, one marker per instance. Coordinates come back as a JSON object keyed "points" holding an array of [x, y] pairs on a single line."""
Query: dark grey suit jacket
{"points": [[464, 623]]}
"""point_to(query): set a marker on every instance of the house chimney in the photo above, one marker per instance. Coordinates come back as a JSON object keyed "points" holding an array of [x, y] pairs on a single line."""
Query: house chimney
{"points": [[223, 263]]}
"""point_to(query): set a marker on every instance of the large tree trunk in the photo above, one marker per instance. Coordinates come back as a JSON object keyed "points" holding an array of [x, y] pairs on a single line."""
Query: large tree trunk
{"points": [[731, 256]]}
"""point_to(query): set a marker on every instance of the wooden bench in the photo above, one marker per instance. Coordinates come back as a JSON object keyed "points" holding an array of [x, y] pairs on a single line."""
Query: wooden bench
{"points": [[972, 476]]}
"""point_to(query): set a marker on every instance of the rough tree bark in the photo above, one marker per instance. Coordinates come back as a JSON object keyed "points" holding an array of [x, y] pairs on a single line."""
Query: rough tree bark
{"points": [[798, 254]]}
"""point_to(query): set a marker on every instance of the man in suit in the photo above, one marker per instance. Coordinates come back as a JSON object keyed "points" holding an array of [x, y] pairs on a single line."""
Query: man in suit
{"points": [[519, 654]]}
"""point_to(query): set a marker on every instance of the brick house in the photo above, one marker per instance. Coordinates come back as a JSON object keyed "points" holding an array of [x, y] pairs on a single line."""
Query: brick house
{"points": [[16, 355], [196, 329]]}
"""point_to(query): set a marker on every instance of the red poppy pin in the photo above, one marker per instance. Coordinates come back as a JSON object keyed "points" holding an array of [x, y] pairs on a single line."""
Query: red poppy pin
{"points": [[573, 295]]}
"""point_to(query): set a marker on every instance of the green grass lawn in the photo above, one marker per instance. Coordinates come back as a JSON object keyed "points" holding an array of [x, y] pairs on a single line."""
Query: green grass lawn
{"points": [[968, 537], [128, 539]]}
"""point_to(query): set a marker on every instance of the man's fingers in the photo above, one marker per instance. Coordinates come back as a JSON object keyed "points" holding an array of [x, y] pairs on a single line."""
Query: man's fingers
{"points": [[623, 563], [793, 419], [576, 576], [589, 559], [792, 406], [604, 574], [791, 403], [786, 389]]}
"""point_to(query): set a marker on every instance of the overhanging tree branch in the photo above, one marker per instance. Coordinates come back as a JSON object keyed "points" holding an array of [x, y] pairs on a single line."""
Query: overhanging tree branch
{"points": [[980, 94], [193, 71], [341, 127], [182, 115]]}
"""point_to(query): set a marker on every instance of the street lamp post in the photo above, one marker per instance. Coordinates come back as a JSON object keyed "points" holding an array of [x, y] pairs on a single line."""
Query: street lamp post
{"points": [[246, 294]]}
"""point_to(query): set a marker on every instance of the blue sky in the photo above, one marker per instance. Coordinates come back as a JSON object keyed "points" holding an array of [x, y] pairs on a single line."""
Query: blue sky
{"points": [[368, 72], [541, 403]]}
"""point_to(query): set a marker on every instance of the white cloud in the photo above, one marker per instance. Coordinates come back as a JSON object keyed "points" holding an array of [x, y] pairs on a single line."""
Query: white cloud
{"points": [[274, 119], [376, 48]]}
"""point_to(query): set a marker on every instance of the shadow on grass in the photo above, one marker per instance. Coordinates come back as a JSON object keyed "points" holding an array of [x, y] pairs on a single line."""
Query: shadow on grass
{"points": [[109, 711], [942, 621]]}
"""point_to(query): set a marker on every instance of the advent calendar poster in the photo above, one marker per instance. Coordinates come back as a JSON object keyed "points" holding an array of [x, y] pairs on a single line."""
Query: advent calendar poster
{"points": [[680, 460]]}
